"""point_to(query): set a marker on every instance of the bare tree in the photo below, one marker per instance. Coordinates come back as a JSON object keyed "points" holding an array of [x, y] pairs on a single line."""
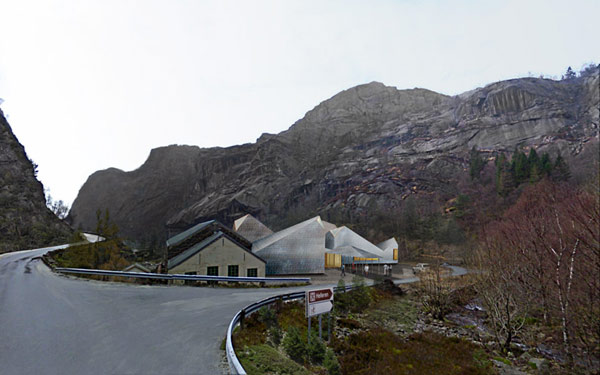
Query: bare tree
{"points": [[434, 292], [551, 237], [59, 208], [498, 285]]}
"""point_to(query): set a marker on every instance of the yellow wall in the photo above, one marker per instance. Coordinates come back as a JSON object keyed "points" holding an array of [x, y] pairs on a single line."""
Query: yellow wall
{"points": [[221, 253], [333, 260]]}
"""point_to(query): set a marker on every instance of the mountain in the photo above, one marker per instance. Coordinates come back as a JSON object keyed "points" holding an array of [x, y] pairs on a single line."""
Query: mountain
{"points": [[355, 156], [25, 221]]}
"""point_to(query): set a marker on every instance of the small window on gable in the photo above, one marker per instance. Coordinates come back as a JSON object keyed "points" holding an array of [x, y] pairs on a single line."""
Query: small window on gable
{"points": [[252, 272]]}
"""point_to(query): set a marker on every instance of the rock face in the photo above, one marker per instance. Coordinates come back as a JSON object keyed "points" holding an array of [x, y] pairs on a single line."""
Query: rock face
{"points": [[362, 151], [25, 221]]}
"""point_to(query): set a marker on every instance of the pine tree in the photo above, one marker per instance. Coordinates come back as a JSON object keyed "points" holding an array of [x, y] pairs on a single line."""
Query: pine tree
{"points": [[570, 74], [476, 163], [520, 166], [505, 178], [546, 165], [535, 175], [560, 171], [533, 159]]}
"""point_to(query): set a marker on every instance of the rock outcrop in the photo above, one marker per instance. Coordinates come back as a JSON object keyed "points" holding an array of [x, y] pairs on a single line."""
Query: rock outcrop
{"points": [[362, 151], [25, 221]]}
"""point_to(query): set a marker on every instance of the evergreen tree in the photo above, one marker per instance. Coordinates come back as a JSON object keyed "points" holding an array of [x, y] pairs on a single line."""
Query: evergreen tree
{"points": [[533, 159], [294, 345], [546, 165], [535, 175], [508, 182], [520, 166], [476, 163], [500, 165], [570, 74], [560, 171]]}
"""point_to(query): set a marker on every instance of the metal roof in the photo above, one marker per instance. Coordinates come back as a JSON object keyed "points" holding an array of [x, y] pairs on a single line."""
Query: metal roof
{"points": [[297, 249], [343, 236], [388, 244], [136, 265], [185, 234], [250, 228]]}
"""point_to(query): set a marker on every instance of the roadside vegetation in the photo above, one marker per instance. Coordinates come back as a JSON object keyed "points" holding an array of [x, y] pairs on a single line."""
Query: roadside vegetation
{"points": [[373, 331], [110, 254]]}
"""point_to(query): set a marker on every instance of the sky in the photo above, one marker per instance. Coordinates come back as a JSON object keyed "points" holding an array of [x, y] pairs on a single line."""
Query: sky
{"points": [[89, 85]]}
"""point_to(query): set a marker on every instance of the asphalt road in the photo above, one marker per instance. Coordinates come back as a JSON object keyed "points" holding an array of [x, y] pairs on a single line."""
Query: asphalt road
{"points": [[53, 324]]}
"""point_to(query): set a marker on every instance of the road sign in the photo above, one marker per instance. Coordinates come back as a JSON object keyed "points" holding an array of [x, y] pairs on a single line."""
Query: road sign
{"points": [[319, 301]]}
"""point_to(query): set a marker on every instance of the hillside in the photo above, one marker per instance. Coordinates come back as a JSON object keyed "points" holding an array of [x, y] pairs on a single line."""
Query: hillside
{"points": [[25, 221], [361, 155]]}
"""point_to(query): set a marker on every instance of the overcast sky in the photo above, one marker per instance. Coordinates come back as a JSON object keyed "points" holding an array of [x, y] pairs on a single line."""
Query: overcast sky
{"points": [[89, 85]]}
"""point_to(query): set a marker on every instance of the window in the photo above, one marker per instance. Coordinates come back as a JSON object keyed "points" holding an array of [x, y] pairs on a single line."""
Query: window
{"points": [[252, 272], [233, 270], [212, 271], [191, 273]]}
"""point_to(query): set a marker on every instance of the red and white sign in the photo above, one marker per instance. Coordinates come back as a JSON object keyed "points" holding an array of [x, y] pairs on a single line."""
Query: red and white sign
{"points": [[318, 301]]}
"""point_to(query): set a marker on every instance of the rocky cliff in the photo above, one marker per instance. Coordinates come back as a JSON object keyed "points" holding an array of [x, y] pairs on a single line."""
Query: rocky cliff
{"points": [[25, 221], [361, 152]]}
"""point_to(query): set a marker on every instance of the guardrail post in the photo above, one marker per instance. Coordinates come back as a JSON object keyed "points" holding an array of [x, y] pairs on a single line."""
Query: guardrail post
{"points": [[242, 316]]}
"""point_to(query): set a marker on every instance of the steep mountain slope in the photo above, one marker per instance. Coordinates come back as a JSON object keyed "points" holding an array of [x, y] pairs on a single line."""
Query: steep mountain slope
{"points": [[25, 221], [361, 152]]}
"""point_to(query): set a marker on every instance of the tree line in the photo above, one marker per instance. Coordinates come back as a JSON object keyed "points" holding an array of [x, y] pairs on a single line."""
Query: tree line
{"points": [[521, 168]]}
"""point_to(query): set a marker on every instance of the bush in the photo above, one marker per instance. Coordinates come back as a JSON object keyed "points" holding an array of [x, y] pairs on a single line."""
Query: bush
{"points": [[316, 349], [267, 316], [294, 345], [331, 363], [275, 334]]}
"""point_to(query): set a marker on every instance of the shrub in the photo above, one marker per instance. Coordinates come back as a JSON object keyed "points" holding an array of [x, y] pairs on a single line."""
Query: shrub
{"points": [[275, 334], [331, 363], [294, 345], [267, 316], [316, 349]]}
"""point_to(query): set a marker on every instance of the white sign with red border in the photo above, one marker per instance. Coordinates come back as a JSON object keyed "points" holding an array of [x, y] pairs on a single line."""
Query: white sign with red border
{"points": [[319, 301]]}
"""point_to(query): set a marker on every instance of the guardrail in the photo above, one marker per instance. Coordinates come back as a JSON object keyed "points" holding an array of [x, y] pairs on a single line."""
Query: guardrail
{"points": [[235, 367], [163, 276]]}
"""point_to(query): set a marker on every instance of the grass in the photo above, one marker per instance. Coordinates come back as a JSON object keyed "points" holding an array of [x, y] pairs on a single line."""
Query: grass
{"points": [[503, 360], [265, 359], [394, 311]]}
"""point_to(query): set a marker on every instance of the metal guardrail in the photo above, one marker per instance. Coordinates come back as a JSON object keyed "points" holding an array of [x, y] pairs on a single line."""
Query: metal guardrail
{"points": [[235, 367], [183, 277]]}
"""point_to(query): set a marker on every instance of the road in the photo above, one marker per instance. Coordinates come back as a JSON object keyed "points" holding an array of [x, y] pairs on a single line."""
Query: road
{"points": [[53, 324]]}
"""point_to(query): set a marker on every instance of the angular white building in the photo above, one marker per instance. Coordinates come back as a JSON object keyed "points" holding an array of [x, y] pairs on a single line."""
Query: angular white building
{"points": [[311, 246]]}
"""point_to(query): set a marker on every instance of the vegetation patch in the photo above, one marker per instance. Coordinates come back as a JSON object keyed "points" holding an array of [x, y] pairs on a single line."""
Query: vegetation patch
{"points": [[382, 352], [265, 359]]}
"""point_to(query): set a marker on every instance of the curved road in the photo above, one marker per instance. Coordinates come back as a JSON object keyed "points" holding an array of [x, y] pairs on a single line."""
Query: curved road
{"points": [[54, 324]]}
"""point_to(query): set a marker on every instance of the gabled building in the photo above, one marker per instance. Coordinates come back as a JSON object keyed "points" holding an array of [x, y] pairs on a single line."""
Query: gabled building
{"points": [[312, 245], [136, 267], [250, 228], [210, 248], [299, 249]]}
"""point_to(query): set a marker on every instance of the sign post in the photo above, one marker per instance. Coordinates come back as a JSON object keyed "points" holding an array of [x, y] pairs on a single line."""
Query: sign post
{"points": [[318, 302]]}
